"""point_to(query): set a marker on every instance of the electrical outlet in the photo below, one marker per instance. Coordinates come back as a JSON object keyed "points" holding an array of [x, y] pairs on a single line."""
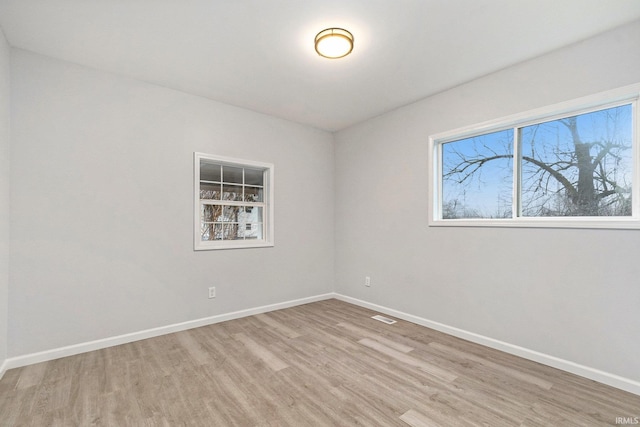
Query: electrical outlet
{"points": [[367, 281], [212, 292]]}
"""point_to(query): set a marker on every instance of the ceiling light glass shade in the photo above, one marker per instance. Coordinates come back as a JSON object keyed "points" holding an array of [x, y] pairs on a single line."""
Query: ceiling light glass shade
{"points": [[334, 43]]}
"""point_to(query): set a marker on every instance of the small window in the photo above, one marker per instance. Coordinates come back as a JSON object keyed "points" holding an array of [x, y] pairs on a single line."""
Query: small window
{"points": [[573, 165], [233, 203]]}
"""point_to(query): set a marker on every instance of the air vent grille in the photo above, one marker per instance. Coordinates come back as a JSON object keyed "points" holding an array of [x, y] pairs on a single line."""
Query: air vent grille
{"points": [[383, 319]]}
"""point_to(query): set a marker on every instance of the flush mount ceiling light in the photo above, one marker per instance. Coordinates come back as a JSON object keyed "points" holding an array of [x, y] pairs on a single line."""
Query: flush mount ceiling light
{"points": [[334, 43]]}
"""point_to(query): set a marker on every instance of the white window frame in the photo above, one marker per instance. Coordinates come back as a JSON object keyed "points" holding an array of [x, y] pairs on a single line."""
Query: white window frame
{"points": [[626, 95], [266, 204]]}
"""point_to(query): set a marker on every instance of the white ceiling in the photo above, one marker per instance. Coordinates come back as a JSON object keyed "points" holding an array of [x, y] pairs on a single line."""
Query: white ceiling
{"points": [[258, 54]]}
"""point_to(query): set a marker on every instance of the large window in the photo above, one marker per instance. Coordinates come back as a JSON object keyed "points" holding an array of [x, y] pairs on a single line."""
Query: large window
{"points": [[233, 203], [572, 165]]}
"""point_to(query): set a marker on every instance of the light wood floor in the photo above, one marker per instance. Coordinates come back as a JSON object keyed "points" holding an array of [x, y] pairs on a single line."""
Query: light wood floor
{"points": [[320, 364]]}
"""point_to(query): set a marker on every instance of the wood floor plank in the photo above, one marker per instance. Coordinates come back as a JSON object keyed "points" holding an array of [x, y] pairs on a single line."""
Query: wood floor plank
{"points": [[278, 326], [319, 364], [261, 352], [546, 385], [193, 347], [31, 376], [404, 358], [416, 419], [363, 333]]}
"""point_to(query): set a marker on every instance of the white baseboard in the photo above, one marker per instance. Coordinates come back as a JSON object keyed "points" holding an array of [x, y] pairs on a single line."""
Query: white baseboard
{"points": [[43, 356], [555, 362], [613, 380]]}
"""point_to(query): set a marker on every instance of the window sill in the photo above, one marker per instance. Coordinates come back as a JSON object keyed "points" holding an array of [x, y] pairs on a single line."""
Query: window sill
{"points": [[207, 246], [589, 223]]}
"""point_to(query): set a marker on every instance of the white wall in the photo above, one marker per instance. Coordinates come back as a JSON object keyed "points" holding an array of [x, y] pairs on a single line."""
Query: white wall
{"points": [[102, 187], [4, 194], [571, 294]]}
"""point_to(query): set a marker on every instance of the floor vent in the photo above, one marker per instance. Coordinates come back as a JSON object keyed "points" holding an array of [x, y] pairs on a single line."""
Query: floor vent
{"points": [[384, 319]]}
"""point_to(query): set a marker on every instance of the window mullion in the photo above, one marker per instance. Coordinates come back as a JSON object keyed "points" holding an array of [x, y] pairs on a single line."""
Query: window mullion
{"points": [[516, 200]]}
